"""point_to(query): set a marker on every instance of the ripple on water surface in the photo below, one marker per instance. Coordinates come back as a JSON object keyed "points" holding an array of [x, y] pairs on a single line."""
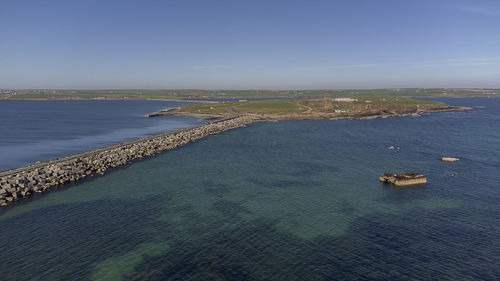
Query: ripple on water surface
{"points": [[294, 200], [33, 131]]}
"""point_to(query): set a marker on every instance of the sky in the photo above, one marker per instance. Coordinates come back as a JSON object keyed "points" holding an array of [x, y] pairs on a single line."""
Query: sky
{"points": [[253, 44]]}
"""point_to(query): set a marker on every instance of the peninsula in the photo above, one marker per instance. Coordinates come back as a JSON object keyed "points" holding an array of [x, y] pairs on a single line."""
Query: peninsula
{"points": [[313, 109], [40, 177]]}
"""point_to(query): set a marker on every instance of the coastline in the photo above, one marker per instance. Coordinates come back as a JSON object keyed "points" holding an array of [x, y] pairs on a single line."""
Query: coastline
{"points": [[44, 176], [111, 99]]}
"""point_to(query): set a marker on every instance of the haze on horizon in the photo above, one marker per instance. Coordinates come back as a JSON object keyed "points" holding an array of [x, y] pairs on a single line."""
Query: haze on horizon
{"points": [[249, 44]]}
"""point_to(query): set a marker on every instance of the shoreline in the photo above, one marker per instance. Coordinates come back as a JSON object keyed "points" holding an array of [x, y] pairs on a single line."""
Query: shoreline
{"points": [[22, 182], [112, 99]]}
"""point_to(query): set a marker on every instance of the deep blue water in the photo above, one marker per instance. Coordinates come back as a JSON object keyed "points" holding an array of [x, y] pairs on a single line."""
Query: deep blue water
{"points": [[296, 200], [33, 131]]}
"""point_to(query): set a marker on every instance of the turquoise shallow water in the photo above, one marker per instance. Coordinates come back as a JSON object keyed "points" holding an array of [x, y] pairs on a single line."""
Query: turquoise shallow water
{"points": [[297, 200]]}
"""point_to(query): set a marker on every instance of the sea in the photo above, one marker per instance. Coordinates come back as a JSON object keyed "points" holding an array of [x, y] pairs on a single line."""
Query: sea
{"points": [[292, 200], [32, 131]]}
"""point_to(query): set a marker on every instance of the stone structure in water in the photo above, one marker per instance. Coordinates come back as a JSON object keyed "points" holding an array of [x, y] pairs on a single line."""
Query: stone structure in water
{"points": [[404, 179], [41, 177]]}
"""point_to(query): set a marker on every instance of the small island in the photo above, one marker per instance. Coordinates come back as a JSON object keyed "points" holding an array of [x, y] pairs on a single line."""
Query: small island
{"points": [[313, 109]]}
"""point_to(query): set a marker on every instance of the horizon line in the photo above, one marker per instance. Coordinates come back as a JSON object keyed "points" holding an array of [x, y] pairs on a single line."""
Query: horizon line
{"points": [[262, 89]]}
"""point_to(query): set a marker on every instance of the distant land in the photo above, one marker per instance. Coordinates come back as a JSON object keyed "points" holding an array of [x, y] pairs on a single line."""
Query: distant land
{"points": [[138, 94]]}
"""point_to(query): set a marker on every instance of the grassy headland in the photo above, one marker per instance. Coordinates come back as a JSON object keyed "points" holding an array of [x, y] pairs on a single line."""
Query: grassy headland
{"points": [[138, 94], [325, 108]]}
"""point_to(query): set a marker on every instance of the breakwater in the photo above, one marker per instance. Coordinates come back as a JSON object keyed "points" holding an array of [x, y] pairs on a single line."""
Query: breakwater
{"points": [[40, 177]]}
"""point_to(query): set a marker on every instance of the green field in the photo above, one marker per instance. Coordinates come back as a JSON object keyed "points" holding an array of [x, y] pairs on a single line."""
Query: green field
{"points": [[270, 107], [311, 106]]}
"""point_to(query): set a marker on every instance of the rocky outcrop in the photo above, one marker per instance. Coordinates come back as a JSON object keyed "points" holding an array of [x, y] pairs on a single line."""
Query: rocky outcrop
{"points": [[40, 177], [404, 179], [450, 159]]}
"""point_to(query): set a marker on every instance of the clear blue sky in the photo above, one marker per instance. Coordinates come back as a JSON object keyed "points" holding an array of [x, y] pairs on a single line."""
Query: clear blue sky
{"points": [[249, 44]]}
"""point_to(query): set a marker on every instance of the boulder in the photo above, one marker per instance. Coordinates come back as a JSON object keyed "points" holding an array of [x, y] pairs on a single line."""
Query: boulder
{"points": [[15, 195]]}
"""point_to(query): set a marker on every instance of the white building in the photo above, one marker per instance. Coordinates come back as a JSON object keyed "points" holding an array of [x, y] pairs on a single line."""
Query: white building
{"points": [[346, 99]]}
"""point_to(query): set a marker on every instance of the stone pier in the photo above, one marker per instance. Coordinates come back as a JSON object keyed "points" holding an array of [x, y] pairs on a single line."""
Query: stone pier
{"points": [[44, 176]]}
